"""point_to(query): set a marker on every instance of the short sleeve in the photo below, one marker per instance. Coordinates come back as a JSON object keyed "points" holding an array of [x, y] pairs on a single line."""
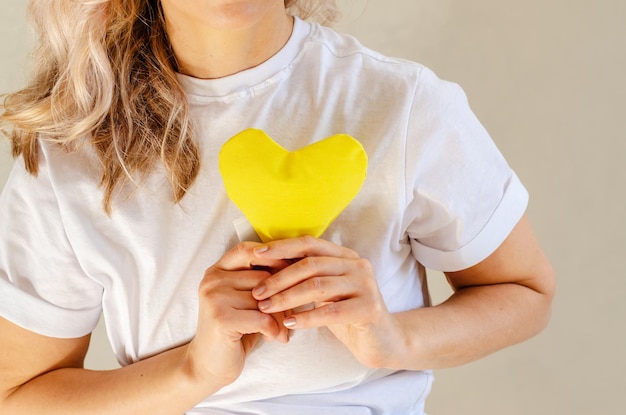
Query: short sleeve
{"points": [[463, 199], [42, 285]]}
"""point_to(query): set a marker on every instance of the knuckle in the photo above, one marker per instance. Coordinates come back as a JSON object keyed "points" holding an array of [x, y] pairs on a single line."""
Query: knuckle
{"points": [[242, 248], [272, 280], [278, 300], [308, 240], [248, 246], [310, 262], [331, 310], [239, 252], [214, 287], [314, 284], [266, 323], [212, 279], [349, 253], [363, 266], [219, 315], [209, 295]]}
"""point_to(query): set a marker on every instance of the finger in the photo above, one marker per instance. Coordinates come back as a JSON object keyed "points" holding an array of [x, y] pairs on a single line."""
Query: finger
{"points": [[302, 247], [314, 290], [220, 306], [283, 335], [350, 311], [218, 279], [238, 257], [274, 265], [308, 268], [242, 300], [245, 322], [242, 257]]}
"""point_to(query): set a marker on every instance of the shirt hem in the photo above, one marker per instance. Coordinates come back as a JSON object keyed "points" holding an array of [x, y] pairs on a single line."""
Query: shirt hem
{"points": [[18, 307], [503, 220]]}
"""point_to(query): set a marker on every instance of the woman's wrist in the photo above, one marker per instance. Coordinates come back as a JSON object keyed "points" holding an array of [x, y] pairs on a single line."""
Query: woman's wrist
{"points": [[195, 375]]}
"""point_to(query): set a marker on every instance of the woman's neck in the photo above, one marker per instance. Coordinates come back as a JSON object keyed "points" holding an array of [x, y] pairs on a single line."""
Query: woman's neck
{"points": [[219, 46]]}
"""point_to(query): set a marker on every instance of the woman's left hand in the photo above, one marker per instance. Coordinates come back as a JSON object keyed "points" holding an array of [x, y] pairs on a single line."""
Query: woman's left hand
{"points": [[342, 288]]}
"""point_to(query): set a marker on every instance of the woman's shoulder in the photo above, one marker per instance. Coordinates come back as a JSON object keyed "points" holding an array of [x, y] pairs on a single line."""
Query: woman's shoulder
{"points": [[344, 56], [344, 46]]}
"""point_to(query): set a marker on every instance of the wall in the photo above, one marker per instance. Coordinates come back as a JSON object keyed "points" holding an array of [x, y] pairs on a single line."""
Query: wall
{"points": [[547, 80], [14, 47]]}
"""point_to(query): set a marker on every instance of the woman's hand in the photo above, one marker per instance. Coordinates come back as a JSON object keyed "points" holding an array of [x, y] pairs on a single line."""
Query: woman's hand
{"points": [[229, 321], [342, 288]]}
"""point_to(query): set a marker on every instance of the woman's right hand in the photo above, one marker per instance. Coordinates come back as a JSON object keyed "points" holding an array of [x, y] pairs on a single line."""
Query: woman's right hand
{"points": [[229, 321], [40, 374]]}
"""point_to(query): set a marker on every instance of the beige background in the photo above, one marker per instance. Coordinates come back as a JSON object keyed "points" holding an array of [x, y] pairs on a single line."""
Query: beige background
{"points": [[547, 79]]}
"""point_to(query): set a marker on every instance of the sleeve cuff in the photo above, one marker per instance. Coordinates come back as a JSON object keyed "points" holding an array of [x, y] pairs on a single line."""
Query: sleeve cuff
{"points": [[498, 227], [41, 317]]}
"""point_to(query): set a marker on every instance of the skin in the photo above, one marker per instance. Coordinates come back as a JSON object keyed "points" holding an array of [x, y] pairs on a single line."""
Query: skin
{"points": [[503, 300], [249, 292], [212, 39]]}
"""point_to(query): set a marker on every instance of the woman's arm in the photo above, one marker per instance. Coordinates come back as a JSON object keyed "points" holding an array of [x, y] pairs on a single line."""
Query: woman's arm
{"points": [[44, 375], [499, 302]]}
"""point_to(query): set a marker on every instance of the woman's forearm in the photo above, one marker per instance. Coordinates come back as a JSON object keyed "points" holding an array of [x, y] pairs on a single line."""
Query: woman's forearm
{"points": [[471, 324], [158, 385], [503, 300]]}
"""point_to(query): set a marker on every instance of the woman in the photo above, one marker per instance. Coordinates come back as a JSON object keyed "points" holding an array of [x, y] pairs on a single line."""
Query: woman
{"points": [[116, 206]]}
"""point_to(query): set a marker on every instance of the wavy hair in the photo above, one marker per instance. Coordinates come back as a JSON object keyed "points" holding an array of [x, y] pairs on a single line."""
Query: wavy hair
{"points": [[105, 76], [321, 11]]}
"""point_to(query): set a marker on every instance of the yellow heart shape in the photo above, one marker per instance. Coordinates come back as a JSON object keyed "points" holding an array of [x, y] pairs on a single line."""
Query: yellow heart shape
{"points": [[285, 193]]}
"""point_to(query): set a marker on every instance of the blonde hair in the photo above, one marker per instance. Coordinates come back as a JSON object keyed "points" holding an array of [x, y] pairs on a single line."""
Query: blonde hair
{"points": [[105, 75], [322, 11]]}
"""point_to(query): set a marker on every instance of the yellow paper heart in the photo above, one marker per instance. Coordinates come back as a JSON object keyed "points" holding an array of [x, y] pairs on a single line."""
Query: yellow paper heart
{"points": [[285, 193]]}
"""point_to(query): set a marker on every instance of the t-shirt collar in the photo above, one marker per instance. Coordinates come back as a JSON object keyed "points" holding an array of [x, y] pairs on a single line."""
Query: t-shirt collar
{"points": [[253, 77]]}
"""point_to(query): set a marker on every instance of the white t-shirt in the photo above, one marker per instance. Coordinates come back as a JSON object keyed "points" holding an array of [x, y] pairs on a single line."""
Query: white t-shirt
{"points": [[438, 194]]}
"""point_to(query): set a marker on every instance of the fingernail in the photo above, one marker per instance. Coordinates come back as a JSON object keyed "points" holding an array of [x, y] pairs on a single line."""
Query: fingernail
{"points": [[289, 322], [264, 305], [258, 290]]}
